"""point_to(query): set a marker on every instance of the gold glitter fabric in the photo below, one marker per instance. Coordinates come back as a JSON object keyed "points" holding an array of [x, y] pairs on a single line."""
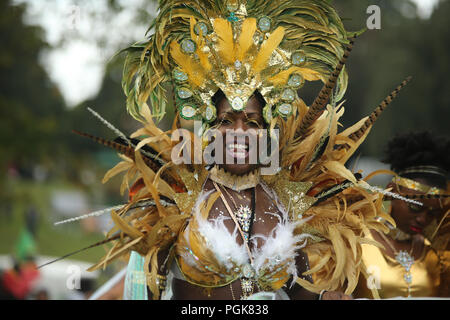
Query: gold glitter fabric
{"points": [[234, 182], [384, 276]]}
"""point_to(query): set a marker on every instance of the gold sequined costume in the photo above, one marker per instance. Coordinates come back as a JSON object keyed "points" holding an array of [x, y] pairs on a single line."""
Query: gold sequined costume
{"points": [[199, 47]]}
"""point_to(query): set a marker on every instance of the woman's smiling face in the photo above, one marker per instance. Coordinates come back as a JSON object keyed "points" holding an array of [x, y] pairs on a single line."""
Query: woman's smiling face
{"points": [[244, 124]]}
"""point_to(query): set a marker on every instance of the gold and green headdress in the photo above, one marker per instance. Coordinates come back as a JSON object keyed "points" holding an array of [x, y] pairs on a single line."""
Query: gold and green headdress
{"points": [[237, 46]]}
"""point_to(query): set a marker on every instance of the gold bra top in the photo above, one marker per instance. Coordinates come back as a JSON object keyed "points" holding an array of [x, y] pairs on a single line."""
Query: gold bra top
{"points": [[387, 275], [208, 255]]}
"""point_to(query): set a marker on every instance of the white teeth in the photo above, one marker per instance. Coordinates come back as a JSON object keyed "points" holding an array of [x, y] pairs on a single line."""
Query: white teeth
{"points": [[236, 146]]}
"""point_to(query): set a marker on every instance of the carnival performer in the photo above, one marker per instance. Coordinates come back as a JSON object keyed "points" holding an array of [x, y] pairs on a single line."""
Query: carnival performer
{"points": [[286, 224], [414, 260]]}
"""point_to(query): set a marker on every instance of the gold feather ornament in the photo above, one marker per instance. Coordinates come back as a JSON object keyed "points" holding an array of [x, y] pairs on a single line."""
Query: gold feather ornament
{"points": [[237, 47]]}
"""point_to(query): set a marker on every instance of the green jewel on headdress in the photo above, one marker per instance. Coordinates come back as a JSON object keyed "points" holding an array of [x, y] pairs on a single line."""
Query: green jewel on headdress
{"points": [[238, 47]]}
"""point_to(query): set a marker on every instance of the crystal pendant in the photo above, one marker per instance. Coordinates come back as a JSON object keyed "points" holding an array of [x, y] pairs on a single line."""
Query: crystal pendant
{"points": [[405, 260], [179, 75], [188, 46], [237, 64], [408, 278], [288, 95], [264, 24], [237, 104], [243, 215], [188, 112], [295, 80], [184, 93], [298, 58]]}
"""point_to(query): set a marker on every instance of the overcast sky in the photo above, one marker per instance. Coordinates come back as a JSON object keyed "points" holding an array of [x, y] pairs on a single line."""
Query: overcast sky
{"points": [[77, 67]]}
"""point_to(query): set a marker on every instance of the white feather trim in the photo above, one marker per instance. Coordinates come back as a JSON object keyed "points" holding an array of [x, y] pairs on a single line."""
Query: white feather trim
{"points": [[279, 248], [222, 243]]}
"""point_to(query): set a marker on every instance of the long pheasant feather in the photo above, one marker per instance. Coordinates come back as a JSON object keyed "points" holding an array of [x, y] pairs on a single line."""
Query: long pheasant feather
{"points": [[377, 112], [80, 250], [320, 102], [129, 152]]}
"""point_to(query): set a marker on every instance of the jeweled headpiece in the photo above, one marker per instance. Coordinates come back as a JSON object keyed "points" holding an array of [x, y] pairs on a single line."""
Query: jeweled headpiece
{"points": [[238, 47], [412, 184]]}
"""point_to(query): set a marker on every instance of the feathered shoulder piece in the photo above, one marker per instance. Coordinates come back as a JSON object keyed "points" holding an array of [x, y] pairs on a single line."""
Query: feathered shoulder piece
{"points": [[161, 197], [316, 184]]}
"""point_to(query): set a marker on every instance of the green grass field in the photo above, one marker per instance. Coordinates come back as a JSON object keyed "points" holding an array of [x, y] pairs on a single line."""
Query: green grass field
{"points": [[50, 240]]}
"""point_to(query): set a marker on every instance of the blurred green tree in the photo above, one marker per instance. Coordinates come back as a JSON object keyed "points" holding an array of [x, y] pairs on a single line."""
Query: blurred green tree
{"points": [[406, 45], [31, 106]]}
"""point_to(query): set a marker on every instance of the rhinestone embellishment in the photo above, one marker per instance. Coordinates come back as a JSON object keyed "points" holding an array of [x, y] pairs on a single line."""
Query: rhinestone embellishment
{"points": [[179, 75], [264, 24], [237, 104], [248, 271], [202, 28], [243, 215], [247, 285], [188, 112], [210, 113], [288, 95], [188, 46], [405, 260], [184, 93], [285, 109], [295, 80], [298, 58]]}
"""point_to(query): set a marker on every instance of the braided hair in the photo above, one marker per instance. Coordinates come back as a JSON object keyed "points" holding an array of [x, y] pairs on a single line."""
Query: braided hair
{"points": [[415, 149]]}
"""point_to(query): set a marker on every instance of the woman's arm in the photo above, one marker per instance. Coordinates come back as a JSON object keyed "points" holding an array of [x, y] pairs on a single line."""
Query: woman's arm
{"points": [[297, 292]]}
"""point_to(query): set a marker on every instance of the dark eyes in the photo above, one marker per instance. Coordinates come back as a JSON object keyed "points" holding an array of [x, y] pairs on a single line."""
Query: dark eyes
{"points": [[253, 124], [416, 209], [250, 123], [226, 121]]}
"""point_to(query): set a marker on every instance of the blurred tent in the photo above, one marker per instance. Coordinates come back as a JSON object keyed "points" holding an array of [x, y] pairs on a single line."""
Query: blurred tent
{"points": [[69, 203]]}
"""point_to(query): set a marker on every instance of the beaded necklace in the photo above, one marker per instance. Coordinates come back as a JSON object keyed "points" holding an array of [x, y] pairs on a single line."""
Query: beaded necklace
{"points": [[405, 259], [243, 218]]}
